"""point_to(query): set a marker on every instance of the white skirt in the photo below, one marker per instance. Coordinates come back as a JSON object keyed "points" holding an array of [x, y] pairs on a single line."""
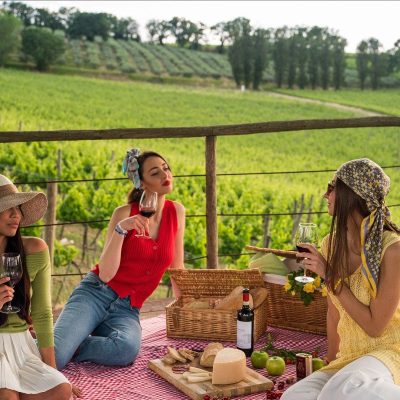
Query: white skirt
{"points": [[21, 367]]}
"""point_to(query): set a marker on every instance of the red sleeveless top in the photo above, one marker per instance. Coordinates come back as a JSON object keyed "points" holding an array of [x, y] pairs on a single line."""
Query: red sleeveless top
{"points": [[144, 261]]}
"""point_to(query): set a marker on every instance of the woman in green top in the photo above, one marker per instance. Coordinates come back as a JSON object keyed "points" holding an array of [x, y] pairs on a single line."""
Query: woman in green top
{"points": [[26, 372]]}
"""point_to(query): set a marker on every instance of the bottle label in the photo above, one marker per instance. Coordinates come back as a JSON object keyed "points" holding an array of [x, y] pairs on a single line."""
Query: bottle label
{"points": [[243, 340]]}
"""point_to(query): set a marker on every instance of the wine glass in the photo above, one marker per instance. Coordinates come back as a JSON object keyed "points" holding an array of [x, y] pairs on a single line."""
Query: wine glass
{"points": [[12, 267], [306, 233], [147, 207]]}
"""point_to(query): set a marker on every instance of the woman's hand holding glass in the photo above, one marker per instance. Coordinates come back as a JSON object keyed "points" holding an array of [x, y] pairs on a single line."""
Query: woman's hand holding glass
{"points": [[306, 233], [137, 222], [6, 292], [313, 259], [11, 267]]}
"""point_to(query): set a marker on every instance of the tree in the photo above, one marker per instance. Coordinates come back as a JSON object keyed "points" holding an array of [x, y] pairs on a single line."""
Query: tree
{"points": [[90, 25], [302, 57], [280, 55], [125, 28], [314, 55], [45, 19], [20, 10], [241, 52], [183, 30], [339, 61], [260, 38], [325, 58], [248, 58], [394, 58], [158, 30], [362, 62], [10, 28], [292, 59], [42, 45], [222, 32], [198, 34], [376, 70], [66, 15]]}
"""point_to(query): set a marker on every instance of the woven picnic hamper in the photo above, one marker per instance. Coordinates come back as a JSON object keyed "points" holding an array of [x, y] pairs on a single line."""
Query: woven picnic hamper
{"points": [[289, 312], [211, 324]]}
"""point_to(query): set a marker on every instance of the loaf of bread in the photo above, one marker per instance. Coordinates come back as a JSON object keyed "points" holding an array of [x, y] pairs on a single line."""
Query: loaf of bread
{"points": [[259, 294], [208, 356], [233, 301]]}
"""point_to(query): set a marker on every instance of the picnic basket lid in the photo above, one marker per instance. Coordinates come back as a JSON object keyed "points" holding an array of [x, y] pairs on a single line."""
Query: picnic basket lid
{"points": [[214, 282]]}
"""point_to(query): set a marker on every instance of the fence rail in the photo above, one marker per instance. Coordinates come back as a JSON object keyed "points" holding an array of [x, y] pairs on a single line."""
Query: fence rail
{"points": [[197, 131]]}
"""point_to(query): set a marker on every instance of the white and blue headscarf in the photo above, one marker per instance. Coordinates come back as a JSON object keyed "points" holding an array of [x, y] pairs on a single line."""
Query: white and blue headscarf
{"points": [[130, 166]]}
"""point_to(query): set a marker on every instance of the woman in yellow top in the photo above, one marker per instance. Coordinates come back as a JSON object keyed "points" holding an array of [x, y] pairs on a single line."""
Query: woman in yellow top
{"points": [[26, 371], [360, 263]]}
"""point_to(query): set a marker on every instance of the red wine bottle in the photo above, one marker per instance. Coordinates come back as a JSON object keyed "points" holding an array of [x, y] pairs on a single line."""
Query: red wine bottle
{"points": [[245, 326]]}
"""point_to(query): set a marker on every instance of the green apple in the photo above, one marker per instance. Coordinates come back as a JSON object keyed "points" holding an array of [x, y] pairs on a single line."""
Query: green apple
{"points": [[275, 365], [259, 359], [317, 363]]}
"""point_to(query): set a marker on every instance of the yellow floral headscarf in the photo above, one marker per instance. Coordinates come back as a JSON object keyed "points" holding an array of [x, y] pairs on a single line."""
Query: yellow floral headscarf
{"points": [[368, 180]]}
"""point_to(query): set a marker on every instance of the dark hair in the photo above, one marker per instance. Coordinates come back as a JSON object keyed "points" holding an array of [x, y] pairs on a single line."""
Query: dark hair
{"points": [[346, 203], [22, 290], [135, 194]]}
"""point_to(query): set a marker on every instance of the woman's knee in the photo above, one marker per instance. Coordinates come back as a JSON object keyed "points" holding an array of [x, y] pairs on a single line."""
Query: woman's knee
{"points": [[63, 391], [346, 384], [6, 394], [127, 349]]}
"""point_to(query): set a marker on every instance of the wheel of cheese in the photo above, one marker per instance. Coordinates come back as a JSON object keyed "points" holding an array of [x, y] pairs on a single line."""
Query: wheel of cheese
{"points": [[229, 367]]}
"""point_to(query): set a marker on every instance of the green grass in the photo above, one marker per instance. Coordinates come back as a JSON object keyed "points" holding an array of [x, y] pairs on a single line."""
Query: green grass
{"points": [[382, 101]]}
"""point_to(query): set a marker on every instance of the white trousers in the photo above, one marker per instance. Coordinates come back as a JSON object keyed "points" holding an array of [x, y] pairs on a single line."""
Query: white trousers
{"points": [[364, 379]]}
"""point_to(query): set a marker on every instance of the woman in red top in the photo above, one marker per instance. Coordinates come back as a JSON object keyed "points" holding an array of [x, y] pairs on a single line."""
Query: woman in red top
{"points": [[100, 322]]}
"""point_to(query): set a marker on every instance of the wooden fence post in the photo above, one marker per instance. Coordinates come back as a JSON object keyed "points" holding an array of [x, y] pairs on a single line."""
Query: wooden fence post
{"points": [[50, 219], [211, 203], [50, 231], [267, 236]]}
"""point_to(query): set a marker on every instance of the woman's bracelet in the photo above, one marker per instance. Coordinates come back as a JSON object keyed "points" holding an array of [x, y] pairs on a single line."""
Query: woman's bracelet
{"points": [[120, 231]]}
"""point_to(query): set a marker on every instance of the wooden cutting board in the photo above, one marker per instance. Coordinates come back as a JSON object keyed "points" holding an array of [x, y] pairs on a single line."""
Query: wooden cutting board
{"points": [[253, 383]]}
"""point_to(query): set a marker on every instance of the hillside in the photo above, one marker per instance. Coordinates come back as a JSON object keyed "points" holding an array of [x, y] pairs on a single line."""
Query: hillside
{"points": [[131, 57]]}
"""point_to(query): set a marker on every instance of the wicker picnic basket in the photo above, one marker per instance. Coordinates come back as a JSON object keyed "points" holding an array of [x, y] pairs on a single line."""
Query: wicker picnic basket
{"points": [[289, 312], [211, 324]]}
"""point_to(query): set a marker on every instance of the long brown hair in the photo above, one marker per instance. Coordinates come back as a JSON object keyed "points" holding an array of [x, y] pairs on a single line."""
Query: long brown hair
{"points": [[347, 202], [22, 290], [135, 194]]}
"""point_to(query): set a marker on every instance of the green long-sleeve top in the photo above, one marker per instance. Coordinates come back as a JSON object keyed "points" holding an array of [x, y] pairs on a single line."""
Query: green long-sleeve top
{"points": [[38, 265]]}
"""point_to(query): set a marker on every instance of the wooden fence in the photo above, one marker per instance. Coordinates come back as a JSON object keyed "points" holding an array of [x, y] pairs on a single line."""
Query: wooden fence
{"points": [[210, 133]]}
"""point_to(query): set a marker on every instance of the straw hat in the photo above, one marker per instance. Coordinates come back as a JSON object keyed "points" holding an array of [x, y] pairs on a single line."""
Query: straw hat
{"points": [[33, 204]]}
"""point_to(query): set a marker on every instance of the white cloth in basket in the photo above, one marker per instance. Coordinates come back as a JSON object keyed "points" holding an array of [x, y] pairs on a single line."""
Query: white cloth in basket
{"points": [[21, 367], [277, 279]]}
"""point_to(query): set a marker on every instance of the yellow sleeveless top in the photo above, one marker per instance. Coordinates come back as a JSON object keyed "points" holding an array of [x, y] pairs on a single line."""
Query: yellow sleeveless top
{"points": [[354, 341]]}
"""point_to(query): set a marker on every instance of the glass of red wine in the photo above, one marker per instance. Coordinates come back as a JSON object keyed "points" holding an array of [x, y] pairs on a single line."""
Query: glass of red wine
{"points": [[147, 207], [11, 266], [306, 233]]}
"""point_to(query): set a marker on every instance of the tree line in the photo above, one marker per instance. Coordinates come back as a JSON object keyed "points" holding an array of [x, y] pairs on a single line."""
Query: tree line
{"points": [[298, 57], [75, 23]]}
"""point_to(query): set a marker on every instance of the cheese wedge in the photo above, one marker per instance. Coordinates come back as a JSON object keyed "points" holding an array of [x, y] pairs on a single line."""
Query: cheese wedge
{"points": [[229, 367]]}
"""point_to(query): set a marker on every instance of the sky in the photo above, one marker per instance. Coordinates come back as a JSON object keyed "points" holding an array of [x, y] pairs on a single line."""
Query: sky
{"points": [[354, 20]]}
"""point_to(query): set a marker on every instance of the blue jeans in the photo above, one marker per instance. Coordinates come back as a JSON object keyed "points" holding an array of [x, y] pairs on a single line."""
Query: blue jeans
{"points": [[98, 326]]}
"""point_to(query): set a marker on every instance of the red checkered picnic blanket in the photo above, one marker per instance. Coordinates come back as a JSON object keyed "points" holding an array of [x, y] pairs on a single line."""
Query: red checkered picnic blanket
{"points": [[138, 382]]}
